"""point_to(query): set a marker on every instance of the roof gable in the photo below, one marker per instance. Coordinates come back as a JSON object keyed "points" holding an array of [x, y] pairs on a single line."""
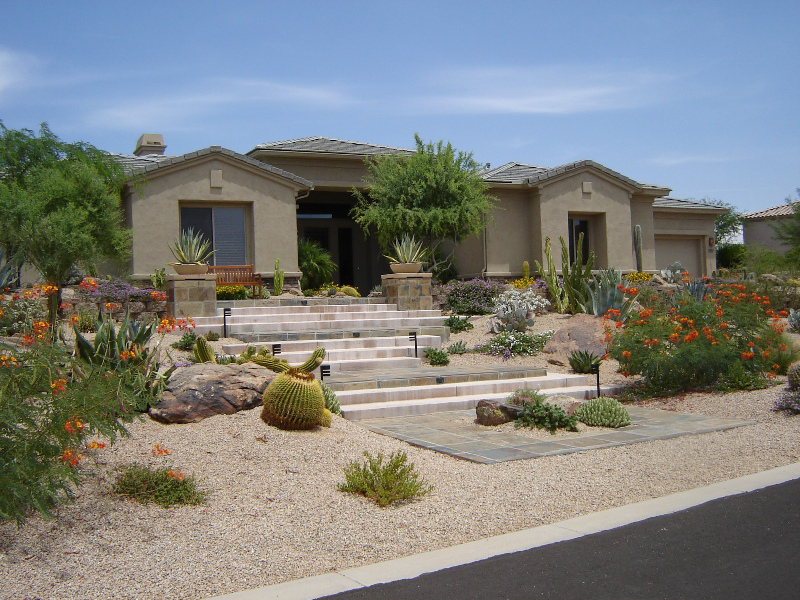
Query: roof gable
{"points": [[142, 165], [784, 210], [681, 204]]}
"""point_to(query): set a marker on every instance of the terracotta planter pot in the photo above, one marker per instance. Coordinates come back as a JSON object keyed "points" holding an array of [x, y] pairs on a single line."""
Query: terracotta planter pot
{"points": [[182, 269], [405, 267]]}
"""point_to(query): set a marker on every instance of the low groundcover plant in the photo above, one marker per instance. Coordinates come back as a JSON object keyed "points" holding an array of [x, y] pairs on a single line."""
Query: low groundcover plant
{"points": [[385, 482], [163, 485]]}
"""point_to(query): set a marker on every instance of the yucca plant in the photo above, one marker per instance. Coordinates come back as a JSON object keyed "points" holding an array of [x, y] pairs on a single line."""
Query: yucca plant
{"points": [[407, 250], [191, 248]]}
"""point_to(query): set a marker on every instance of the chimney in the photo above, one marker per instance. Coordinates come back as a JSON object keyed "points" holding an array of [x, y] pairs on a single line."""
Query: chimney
{"points": [[150, 143]]}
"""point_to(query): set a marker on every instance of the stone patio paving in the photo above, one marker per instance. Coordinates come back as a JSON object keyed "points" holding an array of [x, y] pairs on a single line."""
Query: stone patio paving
{"points": [[447, 432]]}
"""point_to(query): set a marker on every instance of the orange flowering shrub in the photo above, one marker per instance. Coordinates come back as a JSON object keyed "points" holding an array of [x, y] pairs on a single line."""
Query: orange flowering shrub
{"points": [[729, 339]]}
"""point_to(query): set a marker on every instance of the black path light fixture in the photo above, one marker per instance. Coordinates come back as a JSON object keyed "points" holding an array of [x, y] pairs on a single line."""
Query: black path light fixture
{"points": [[276, 349], [412, 336], [596, 372], [324, 371], [226, 312]]}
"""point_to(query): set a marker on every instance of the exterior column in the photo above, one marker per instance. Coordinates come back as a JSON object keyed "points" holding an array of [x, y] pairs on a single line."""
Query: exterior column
{"points": [[192, 295], [409, 291]]}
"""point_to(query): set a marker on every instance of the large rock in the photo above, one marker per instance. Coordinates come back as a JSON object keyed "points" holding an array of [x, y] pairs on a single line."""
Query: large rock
{"points": [[567, 403], [581, 332], [204, 390], [495, 412]]}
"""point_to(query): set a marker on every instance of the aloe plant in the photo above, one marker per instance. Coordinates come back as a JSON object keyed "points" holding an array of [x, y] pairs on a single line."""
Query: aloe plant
{"points": [[407, 250], [191, 248]]}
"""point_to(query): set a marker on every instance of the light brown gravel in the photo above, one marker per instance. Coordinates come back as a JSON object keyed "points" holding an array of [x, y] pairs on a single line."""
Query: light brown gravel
{"points": [[274, 512]]}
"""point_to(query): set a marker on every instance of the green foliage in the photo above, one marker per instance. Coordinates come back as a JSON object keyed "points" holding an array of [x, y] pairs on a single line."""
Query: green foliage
{"points": [[725, 342], [727, 225], [59, 204], [459, 347], [163, 486], [515, 310], [87, 321], [607, 292], [696, 288], [788, 230], [731, 256], [293, 400], [582, 361], [794, 320], [277, 278], [674, 273], [513, 343], [762, 260], [191, 248], [186, 342], [9, 269], [159, 278], [385, 483], [793, 377], [603, 412], [542, 415], [331, 400], [50, 406], [458, 324], [19, 311], [436, 357], [568, 294], [407, 249], [231, 292], [473, 297], [202, 351], [212, 336], [315, 263], [435, 193]]}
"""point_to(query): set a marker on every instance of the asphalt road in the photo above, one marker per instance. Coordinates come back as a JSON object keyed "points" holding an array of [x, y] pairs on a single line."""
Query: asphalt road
{"points": [[739, 547]]}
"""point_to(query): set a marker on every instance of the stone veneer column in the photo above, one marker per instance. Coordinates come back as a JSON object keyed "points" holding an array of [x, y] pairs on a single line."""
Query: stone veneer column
{"points": [[410, 291], [192, 295]]}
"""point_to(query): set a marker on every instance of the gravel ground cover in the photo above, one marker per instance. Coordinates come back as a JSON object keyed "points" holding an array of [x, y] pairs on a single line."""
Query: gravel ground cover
{"points": [[274, 512]]}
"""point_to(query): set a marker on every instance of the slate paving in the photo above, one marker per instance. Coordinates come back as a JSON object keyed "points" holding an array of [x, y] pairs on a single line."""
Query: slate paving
{"points": [[456, 434]]}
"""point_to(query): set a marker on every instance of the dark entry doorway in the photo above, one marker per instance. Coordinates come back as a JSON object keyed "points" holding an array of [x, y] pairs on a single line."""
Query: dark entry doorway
{"points": [[576, 228]]}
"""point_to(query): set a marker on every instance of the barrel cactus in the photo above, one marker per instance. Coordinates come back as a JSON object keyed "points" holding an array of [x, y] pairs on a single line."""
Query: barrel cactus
{"points": [[603, 412], [294, 400], [793, 377]]}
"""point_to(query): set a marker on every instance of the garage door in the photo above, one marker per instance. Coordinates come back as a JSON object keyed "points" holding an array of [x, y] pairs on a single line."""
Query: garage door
{"points": [[683, 249]]}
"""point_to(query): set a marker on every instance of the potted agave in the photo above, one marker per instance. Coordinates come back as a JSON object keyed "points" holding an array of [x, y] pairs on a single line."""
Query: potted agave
{"points": [[191, 252], [408, 255]]}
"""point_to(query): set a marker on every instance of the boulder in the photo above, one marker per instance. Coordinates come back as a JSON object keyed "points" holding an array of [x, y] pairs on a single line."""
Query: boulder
{"points": [[204, 390], [567, 403], [495, 412], [580, 332]]}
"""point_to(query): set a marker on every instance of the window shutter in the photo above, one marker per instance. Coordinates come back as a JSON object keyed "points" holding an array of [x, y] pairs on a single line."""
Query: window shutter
{"points": [[229, 236]]}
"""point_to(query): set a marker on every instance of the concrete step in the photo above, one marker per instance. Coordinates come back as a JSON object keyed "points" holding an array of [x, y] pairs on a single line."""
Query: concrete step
{"points": [[313, 309], [204, 325], [319, 317], [348, 343], [477, 389], [442, 331]]}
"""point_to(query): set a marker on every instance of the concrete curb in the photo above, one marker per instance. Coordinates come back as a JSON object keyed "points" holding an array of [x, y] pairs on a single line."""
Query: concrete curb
{"points": [[408, 567]]}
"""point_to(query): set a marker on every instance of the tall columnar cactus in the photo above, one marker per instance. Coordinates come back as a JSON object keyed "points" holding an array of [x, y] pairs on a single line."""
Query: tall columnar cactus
{"points": [[277, 280], [526, 269], [294, 400], [637, 246], [203, 352]]}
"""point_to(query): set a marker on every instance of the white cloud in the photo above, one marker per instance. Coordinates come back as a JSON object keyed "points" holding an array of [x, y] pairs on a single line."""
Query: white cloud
{"points": [[15, 70], [549, 90], [673, 160], [181, 109]]}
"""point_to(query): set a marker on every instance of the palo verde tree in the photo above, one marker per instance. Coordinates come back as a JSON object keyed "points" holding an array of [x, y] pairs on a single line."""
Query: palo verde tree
{"points": [[435, 194], [59, 204]]}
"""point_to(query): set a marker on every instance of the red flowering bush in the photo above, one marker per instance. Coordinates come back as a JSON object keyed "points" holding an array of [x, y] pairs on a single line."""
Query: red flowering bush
{"points": [[730, 340]]}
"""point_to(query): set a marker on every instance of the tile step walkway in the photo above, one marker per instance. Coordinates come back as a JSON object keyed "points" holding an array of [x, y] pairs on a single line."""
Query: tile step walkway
{"points": [[455, 433]]}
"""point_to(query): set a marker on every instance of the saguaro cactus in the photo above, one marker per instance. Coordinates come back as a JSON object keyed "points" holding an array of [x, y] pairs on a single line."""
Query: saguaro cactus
{"points": [[637, 246]]}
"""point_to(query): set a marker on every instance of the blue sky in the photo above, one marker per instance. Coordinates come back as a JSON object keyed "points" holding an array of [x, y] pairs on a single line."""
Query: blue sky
{"points": [[698, 96]]}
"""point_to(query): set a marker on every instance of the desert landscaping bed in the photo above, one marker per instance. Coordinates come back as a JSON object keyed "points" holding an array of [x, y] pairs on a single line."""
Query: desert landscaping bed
{"points": [[274, 512]]}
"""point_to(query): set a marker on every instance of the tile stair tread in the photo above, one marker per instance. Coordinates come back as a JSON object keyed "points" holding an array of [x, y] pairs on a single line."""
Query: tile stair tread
{"points": [[359, 343], [374, 378], [332, 334], [328, 316]]}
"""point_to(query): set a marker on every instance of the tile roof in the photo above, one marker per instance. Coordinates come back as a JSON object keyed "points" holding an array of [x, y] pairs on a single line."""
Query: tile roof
{"points": [[784, 210], [520, 173], [690, 204], [137, 165], [324, 145]]}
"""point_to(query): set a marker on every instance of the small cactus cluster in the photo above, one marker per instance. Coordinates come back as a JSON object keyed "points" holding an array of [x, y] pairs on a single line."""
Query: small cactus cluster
{"points": [[793, 377], [794, 320], [203, 352], [603, 412]]}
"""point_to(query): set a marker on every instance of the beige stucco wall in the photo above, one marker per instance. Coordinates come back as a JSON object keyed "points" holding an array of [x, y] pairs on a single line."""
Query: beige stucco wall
{"points": [[325, 172], [154, 211], [761, 233], [642, 215], [508, 238], [691, 229]]}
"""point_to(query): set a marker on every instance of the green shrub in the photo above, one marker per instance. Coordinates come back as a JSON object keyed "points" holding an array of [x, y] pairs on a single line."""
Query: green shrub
{"points": [[459, 347], [19, 311], [725, 341], [212, 336], [186, 342], [85, 321], [731, 256], [385, 483], [603, 412], [437, 357], [542, 415], [512, 343], [458, 324], [315, 263], [473, 297], [164, 486], [582, 361], [231, 292]]}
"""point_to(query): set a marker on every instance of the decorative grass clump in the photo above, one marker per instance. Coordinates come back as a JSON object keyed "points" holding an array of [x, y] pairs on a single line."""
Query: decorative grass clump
{"points": [[385, 482], [186, 342], [163, 486], [603, 412], [436, 357]]}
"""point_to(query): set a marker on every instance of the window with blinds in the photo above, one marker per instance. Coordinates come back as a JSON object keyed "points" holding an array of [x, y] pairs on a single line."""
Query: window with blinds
{"points": [[224, 227]]}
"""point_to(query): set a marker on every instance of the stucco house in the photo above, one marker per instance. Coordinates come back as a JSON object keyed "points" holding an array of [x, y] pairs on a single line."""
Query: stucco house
{"points": [[254, 206], [758, 226]]}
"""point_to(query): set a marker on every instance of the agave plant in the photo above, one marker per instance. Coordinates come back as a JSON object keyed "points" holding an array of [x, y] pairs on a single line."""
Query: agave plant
{"points": [[582, 361], [407, 250], [607, 292], [191, 249]]}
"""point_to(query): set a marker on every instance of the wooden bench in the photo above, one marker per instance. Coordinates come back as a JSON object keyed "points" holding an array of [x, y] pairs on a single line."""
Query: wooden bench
{"points": [[237, 275]]}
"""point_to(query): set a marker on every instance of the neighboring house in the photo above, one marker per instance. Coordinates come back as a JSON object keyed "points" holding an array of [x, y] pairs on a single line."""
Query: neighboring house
{"points": [[758, 226], [255, 206]]}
